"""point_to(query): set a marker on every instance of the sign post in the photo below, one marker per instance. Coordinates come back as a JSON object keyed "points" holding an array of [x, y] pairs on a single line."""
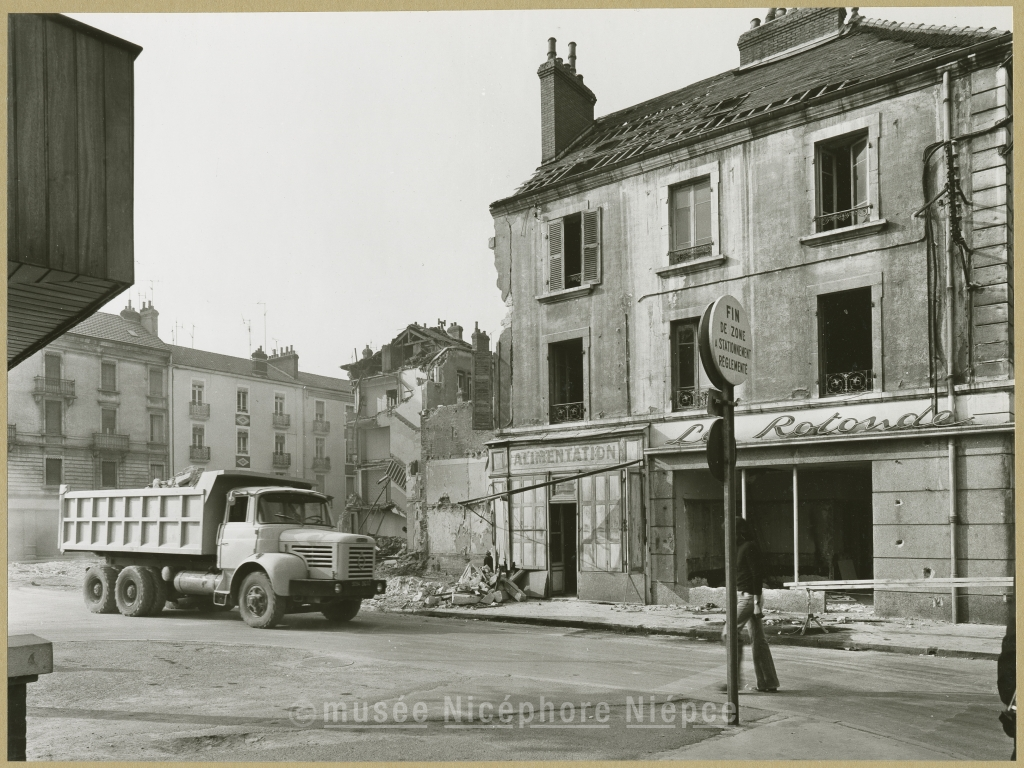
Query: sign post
{"points": [[726, 354]]}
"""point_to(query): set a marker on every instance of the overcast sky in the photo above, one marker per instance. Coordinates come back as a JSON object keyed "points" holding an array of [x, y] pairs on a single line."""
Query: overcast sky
{"points": [[336, 169]]}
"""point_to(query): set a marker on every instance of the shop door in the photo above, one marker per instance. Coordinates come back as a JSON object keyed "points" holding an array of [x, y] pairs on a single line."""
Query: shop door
{"points": [[562, 545]]}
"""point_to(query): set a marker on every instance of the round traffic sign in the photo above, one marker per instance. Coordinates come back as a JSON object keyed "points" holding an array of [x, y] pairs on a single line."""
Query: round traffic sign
{"points": [[726, 348]]}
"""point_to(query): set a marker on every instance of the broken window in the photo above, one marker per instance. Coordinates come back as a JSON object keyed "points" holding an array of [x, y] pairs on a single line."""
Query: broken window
{"points": [[690, 220], [574, 250], [601, 523], [565, 362], [466, 384], [845, 342], [842, 182], [392, 398], [686, 390]]}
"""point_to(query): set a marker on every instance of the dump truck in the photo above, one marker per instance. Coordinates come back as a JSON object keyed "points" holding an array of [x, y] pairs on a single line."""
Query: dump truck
{"points": [[217, 539]]}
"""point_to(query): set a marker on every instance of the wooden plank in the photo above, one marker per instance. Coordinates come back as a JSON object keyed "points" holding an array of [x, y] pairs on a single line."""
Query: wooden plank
{"points": [[92, 182], [61, 146], [30, 130], [118, 84]]}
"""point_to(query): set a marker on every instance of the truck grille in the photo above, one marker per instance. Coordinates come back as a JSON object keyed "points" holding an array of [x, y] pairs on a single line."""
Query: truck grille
{"points": [[360, 562], [315, 555]]}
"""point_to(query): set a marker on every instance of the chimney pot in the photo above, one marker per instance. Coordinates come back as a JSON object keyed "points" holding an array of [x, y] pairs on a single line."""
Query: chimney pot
{"points": [[780, 12], [551, 48], [567, 106], [770, 16], [455, 331], [755, 23], [367, 352], [572, 58]]}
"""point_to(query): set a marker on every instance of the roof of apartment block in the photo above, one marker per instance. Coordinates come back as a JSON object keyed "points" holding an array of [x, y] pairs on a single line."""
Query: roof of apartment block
{"points": [[103, 325], [864, 50], [242, 366]]}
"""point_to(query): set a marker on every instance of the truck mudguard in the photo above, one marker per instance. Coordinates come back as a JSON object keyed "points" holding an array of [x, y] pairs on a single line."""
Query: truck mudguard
{"points": [[279, 566]]}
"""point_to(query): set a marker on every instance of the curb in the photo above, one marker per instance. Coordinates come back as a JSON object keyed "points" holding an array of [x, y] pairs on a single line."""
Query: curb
{"points": [[836, 643]]}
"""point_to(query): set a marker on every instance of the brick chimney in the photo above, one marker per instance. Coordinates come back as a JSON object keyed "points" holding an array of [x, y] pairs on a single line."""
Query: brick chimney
{"points": [[483, 417], [286, 360], [259, 362], [131, 315], [149, 318], [455, 331], [385, 358], [784, 31], [566, 104]]}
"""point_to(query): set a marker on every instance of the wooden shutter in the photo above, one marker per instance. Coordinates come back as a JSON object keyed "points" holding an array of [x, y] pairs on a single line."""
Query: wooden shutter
{"points": [[592, 246], [556, 254]]}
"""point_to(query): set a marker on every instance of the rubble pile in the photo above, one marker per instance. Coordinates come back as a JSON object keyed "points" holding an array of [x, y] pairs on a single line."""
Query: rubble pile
{"points": [[477, 587]]}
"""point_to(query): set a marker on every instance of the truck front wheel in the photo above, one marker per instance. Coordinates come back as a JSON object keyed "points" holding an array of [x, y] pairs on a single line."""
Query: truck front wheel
{"points": [[134, 591], [259, 606], [342, 611], [99, 589]]}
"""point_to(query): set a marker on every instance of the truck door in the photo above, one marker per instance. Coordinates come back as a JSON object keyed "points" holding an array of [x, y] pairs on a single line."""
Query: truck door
{"points": [[237, 539]]}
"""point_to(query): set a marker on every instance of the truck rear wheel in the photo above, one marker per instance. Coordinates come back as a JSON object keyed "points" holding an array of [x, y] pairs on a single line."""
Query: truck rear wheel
{"points": [[342, 611], [161, 590], [134, 591], [99, 587], [259, 606]]}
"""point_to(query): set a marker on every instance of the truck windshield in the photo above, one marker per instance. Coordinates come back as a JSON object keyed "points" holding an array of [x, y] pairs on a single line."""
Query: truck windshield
{"points": [[292, 508]]}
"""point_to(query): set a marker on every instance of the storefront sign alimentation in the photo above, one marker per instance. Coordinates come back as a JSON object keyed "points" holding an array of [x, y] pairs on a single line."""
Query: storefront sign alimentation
{"points": [[571, 454], [785, 426]]}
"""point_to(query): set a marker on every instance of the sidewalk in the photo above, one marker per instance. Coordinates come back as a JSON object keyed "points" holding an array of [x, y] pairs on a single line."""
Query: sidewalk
{"points": [[844, 631]]}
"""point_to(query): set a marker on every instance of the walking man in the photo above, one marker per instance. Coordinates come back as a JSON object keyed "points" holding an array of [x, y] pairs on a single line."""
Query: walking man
{"points": [[750, 608]]}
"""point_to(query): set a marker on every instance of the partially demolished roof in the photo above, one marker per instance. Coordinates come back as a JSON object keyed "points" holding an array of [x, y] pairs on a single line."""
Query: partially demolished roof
{"points": [[424, 343]]}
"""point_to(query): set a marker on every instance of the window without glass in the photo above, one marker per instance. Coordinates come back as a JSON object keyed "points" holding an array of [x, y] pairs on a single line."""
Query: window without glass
{"points": [[108, 474], [242, 401], [842, 182], [198, 436], [108, 421], [279, 404], [156, 382], [279, 443], [53, 422], [466, 384], [156, 428], [51, 366], [198, 392], [690, 221], [243, 441], [685, 365], [844, 347], [108, 377], [565, 385], [574, 250], [54, 471], [392, 396]]}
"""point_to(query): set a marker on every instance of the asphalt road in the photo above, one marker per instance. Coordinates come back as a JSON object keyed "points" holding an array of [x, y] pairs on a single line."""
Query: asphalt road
{"points": [[189, 686]]}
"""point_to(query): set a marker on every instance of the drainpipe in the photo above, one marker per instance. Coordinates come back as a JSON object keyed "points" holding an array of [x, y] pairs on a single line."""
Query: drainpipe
{"points": [[947, 133], [170, 420]]}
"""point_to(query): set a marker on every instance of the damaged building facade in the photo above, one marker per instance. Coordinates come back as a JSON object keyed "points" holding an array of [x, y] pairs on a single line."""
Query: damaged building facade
{"points": [[850, 183]]}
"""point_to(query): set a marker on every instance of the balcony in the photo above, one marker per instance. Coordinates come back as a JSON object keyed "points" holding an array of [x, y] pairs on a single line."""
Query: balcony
{"points": [[282, 460], [199, 410], [564, 412], [847, 382], [685, 398], [282, 420], [198, 453], [106, 441], [55, 387], [321, 427], [322, 464]]}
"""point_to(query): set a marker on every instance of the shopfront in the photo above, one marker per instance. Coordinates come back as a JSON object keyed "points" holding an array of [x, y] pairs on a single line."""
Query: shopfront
{"points": [[847, 492], [573, 512]]}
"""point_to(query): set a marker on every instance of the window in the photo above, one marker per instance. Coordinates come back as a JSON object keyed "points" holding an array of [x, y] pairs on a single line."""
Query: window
{"points": [[466, 384], [242, 400], [279, 444], [53, 471], [198, 436], [845, 342], [108, 421], [565, 363], [156, 472], [320, 448], [156, 428], [108, 474], [278, 404], [842, 182], [53, 421], [690, 220], [51, 366], [392, 397], [243, 441], [156, 382], [108, 377], [574, 251], [319, 410], [686, 386], [198, 391]]}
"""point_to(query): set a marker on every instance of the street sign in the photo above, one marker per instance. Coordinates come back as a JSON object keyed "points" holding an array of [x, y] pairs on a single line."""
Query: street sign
{"points": [[716, 451], [726, 349]]}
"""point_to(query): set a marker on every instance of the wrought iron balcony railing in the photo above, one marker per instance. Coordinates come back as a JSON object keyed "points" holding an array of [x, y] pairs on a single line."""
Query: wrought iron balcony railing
{"points": [[322, 464], [563, 412], [199, 453], [689, 254], [685, 398], [105, 441], [282, 420], [199, 410], [829, 221], [847, 382], [57, 387], [282, 460], [321, 427]]}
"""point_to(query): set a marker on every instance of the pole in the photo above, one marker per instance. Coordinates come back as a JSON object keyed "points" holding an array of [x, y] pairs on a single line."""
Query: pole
{"points": [[796, 529], [729, 492], [743, 493]]}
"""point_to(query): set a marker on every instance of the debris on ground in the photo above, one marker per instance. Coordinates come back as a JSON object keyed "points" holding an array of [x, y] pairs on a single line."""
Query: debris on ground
{"points": [[56, 574], [475, 588]]}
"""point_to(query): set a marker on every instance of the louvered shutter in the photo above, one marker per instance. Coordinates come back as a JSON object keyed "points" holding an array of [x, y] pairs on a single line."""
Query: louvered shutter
{"points": [[592, 246], [556, 253]]}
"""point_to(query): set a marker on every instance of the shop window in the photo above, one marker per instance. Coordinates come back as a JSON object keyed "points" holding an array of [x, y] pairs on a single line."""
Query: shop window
{"points": [[108, 377], [565, 363], [842, 182], [686, 389], [53, 417], [156, 382], [156, 428], [845, 343], [108, 421], [690, 221], [242, 400], [53, 471], [601, 523], [574, 251], [108, 474]]}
